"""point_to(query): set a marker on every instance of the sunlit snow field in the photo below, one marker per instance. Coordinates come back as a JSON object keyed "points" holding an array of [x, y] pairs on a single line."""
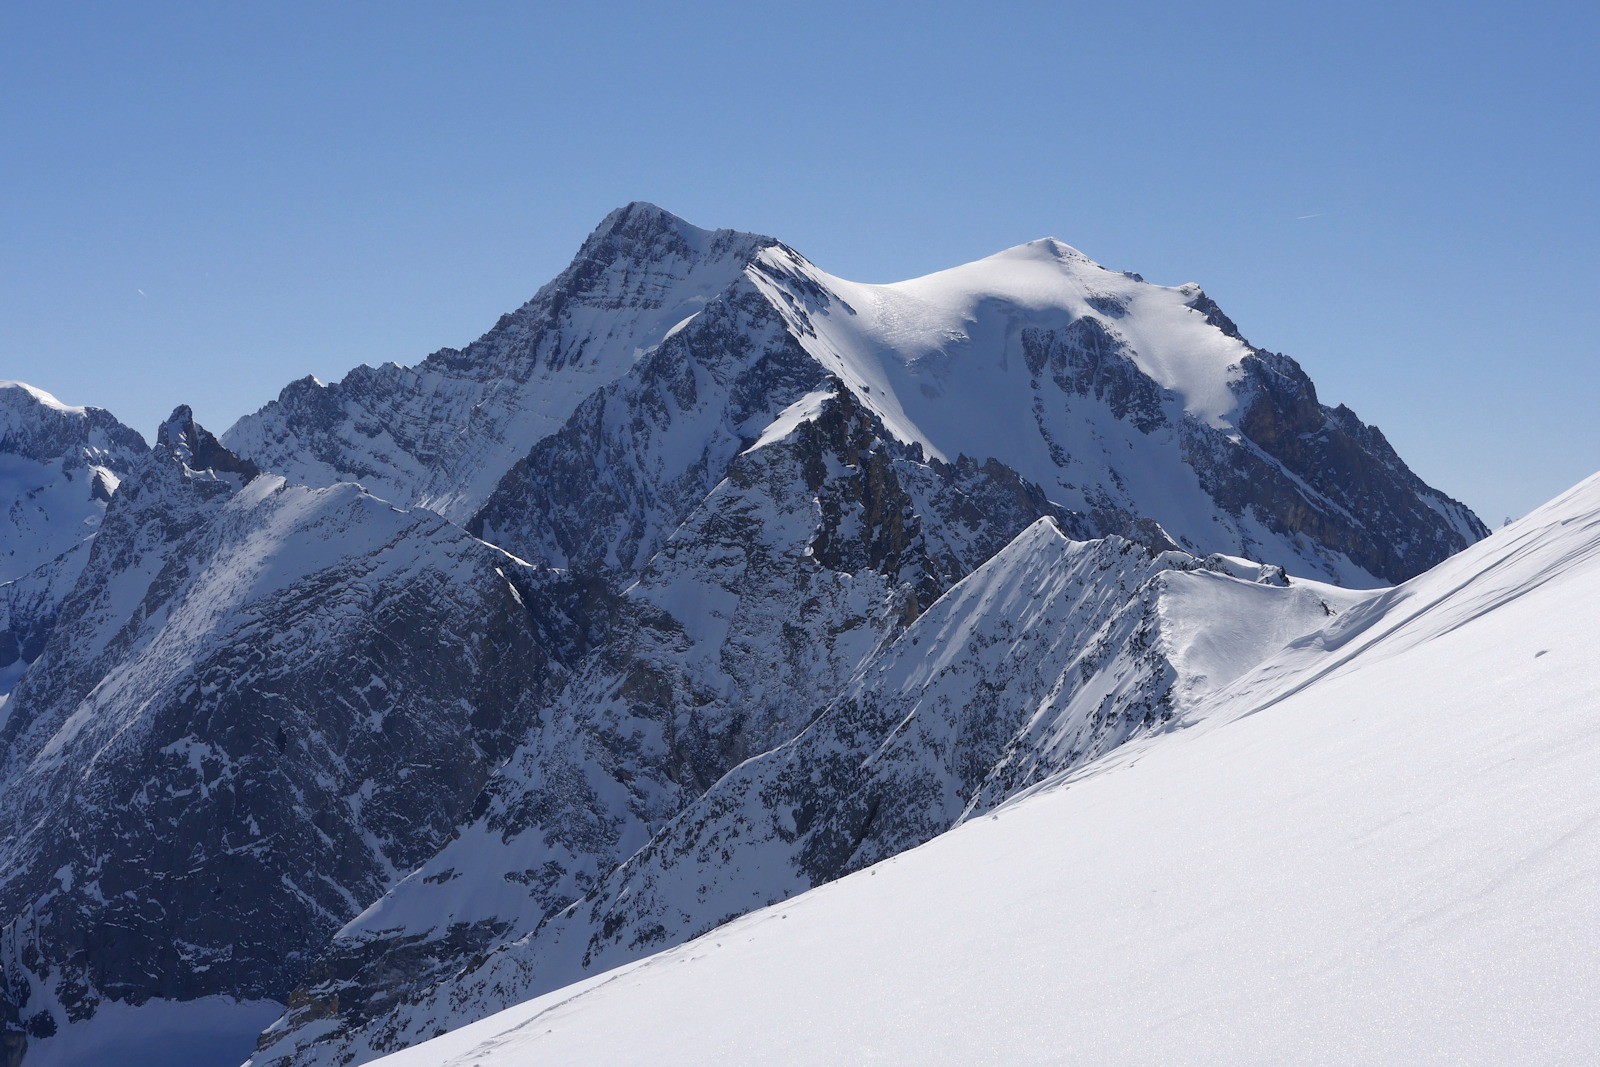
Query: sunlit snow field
{"points": [[1380, 846]]}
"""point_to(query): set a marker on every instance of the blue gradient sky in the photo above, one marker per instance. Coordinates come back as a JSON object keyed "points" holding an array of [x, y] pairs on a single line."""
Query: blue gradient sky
{"points": [[199, 203]]}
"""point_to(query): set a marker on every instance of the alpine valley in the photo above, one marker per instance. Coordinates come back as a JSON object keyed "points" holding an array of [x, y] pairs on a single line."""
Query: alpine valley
{"points": [[1001, 599]]}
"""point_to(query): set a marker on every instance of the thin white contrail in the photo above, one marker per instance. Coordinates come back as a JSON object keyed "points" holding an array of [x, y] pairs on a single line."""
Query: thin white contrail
{"points": [[1318, 215]]}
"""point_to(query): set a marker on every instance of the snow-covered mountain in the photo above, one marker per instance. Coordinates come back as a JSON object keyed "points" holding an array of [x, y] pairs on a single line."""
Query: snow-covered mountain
{"points": [[1117, 397], [700, 545], [442, 433], [262, 704], [1050, 654], [1378, 845], [59, 466], [802, 431]]}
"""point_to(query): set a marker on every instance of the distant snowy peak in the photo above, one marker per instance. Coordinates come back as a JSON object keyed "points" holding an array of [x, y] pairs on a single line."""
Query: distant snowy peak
{"points": [[36, 427], [59, 465], [442, 433], [1044, 283], [197, 450], [1114, 393], [1125, 402]]}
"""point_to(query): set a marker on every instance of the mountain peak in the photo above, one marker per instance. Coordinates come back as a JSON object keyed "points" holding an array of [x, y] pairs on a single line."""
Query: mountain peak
{"points": [[1058, 249], [641, 212], [15, 392], [196, 448], [642, 231]]}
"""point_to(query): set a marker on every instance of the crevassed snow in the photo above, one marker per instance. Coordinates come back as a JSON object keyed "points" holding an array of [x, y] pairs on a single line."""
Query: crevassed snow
{"points": [[1379, 846]]}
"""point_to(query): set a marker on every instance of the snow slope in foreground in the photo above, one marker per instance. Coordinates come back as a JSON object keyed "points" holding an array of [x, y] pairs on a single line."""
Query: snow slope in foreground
{"points": [[1394, 860]]}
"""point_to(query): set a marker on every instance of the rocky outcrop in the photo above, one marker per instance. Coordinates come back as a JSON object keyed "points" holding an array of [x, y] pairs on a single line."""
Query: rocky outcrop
{"points": [[261, 705], [442, 433], [59, 466]]}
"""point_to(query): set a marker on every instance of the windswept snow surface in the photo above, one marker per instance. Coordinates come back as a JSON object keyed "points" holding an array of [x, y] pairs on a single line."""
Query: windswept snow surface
{"points": [[950, 362], [956, 331], [1381, 845]]}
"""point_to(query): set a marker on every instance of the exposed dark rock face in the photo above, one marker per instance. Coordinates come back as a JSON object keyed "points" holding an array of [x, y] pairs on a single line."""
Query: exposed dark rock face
{"points": [[1320, 474], [1085, 359], [197, 449], [442, 433], [247, 723], [637, 456]]}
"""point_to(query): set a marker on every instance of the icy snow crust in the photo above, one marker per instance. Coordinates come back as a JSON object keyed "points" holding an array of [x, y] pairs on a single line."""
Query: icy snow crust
{"points": [[1379, 845]]}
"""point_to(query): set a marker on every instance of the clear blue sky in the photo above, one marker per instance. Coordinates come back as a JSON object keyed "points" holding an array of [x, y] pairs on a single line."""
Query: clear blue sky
{"points": [[201, 202]]}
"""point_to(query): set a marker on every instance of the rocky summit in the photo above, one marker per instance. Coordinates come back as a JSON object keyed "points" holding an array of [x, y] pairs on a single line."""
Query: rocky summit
{"points": [[703, 578]]}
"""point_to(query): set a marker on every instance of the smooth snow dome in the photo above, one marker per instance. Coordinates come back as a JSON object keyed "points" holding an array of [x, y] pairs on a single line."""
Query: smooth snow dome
{"points": [[47, 399], [953, 333], [1381, 845], [943, 361]]}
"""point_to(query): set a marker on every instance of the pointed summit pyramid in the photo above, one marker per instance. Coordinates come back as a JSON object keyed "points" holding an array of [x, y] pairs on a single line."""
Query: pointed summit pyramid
{"points": [[1118, 397], [442, 433], [197, 449]]}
